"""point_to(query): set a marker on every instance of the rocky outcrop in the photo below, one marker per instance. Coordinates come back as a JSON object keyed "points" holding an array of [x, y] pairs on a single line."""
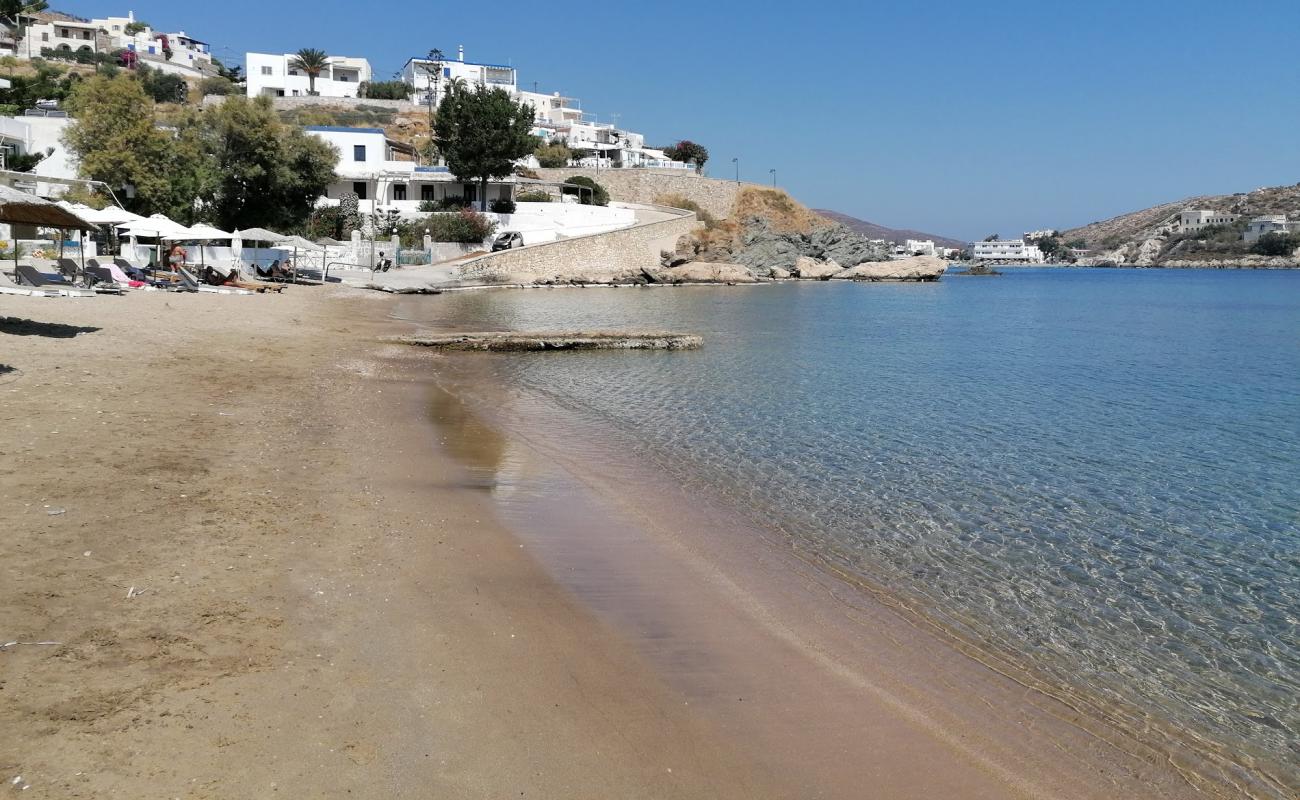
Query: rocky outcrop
{"points": [[812, 269], [762, 249], [916, 268], [705, 272]]}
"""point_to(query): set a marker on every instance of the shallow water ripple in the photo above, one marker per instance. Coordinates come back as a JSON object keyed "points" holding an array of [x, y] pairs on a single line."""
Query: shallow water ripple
{"points": [[1094, 470]]}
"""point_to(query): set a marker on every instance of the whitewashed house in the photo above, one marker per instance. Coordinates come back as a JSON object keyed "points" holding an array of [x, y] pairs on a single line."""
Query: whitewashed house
{"points": [[919, 247], [1011, 251], [274, 75], [384, 174], [43, 135], [1270, 223], [429, 79], [1194, 220], [176, 52]]}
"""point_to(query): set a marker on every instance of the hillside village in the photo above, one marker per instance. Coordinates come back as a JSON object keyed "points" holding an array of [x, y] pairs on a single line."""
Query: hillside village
{"points": [[381, 186]]}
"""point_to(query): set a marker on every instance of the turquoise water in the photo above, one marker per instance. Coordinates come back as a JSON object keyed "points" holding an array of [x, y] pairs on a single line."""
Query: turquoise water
{"points": [[1096, 472]]}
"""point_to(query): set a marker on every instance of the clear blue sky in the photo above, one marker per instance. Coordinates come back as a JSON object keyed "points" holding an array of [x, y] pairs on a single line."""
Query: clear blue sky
{"points": [[958, 117]]}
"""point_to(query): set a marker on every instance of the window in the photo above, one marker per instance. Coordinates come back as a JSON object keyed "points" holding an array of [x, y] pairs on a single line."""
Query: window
{"points": [[359, 189], [45, 37], [267, 71], [293, 72], [399, 191], [358, 152], [426, 193]]}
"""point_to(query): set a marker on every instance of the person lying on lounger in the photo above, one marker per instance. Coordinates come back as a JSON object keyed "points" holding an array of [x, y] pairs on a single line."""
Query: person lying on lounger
{"points": [[216, 277]]}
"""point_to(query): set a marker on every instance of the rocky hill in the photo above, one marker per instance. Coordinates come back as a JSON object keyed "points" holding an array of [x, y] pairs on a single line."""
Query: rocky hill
{"points": [[1144, 238], [873, 231]]}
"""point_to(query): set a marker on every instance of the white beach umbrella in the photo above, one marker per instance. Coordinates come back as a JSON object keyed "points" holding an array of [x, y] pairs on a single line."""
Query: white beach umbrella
{"points": [[297, 242], [157, 226]]}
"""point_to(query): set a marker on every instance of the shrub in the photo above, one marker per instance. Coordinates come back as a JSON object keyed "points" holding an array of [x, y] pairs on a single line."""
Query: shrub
{"points": [[464, 226], [503, 206], [384, 90], [453, 203], [217, 86], [678, 201], [1276, 244], [428, 206], [688, 152], [533, 197], [597, 196], [553, 155]]}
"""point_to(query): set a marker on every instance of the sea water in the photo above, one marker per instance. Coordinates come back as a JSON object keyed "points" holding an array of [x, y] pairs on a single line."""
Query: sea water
{"points": [[1093, 472]]}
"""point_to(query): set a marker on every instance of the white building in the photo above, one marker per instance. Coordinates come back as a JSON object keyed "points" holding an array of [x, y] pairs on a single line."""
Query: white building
{"points": [[1012, 251], [1193, 220], [384, 174], [429, 79], [1270, 223], [556, 117], [919, 247], [175, 52], [274, 75], [39, 135]]}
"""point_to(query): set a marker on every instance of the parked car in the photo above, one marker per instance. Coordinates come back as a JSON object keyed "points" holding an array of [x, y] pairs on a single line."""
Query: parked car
{"points": [[507, 240]]}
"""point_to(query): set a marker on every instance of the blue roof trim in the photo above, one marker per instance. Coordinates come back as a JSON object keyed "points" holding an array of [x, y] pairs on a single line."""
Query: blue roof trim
{"points": [[433, 169], [454, 60], [342, 129]]}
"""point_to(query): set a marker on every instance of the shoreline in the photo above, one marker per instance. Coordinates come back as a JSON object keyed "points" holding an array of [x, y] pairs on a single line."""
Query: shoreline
{"points": [[335, 598], [937, 679]]}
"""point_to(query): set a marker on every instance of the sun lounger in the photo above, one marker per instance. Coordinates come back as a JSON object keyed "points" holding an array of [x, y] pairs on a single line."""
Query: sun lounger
{"points": [[32, 277], [192, 283], [138, 273], [101, 280], [69, 269], [114, 273], [9, 287]]}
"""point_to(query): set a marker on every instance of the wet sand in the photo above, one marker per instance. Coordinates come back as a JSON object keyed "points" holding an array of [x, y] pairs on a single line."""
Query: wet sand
{"points": [[344, 585]]}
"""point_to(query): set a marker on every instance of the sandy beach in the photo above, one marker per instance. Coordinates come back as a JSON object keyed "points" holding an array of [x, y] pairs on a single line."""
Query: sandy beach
{"points": [[266, 553]]}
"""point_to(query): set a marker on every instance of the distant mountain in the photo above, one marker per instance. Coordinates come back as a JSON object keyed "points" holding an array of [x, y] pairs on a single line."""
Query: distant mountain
{"points": [[873, 231]]}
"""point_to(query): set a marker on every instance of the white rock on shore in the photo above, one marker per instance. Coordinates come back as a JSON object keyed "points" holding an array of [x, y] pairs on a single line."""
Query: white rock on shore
{"points": [[916, 268], [706, 272], [812, 269]]}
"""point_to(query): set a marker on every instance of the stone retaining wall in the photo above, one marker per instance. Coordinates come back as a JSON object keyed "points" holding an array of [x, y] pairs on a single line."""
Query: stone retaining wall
{"points": [[602, 256], [306, 101], [647, 185]]}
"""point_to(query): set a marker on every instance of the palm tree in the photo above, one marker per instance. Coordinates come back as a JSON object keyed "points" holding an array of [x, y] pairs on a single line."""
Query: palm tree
{"points": [[313, 62]]}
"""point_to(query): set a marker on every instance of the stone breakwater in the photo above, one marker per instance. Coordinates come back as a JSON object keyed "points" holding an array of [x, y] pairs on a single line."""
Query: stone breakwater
{"points": [[529, 342]]}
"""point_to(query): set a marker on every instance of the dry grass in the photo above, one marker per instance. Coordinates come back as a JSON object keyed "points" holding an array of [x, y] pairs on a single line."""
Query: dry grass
{"points": [[783, 213]]}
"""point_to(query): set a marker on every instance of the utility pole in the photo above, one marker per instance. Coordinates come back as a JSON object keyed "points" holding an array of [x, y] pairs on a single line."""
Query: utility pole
{"points": [[773, 171]]}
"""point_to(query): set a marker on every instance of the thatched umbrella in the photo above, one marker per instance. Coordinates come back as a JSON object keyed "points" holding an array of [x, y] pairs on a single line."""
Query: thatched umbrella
{"points": [[27, 209]]}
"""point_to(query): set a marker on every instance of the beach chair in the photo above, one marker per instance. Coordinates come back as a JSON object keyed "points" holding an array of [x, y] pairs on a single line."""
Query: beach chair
{"points": [[69, 269], [7, 286], [114, 273], [33, 277], [101, 280], [136, 273], [191, 283]]}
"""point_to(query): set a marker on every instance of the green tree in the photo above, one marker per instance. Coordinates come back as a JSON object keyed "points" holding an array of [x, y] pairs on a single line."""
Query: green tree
{"points": [[580, 184], [481, 133], [313, 62], [163, 87], [688, 152], [11, 9], [384, 90], [1276, 244], [269, 175], [553, 154], [116, 141]]}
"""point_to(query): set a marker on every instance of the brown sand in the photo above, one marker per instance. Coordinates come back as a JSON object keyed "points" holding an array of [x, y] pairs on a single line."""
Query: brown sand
{"points": [[327, 604]]}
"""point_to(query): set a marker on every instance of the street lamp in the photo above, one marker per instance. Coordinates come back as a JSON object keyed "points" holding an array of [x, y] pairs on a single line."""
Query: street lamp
{"points": [[736, 161], [773, 171]]}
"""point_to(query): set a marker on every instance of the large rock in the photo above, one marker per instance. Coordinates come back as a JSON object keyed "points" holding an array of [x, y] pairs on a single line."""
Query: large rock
{"points": [[706, 272], [838, 243], [812, 269], [916, 268]]}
